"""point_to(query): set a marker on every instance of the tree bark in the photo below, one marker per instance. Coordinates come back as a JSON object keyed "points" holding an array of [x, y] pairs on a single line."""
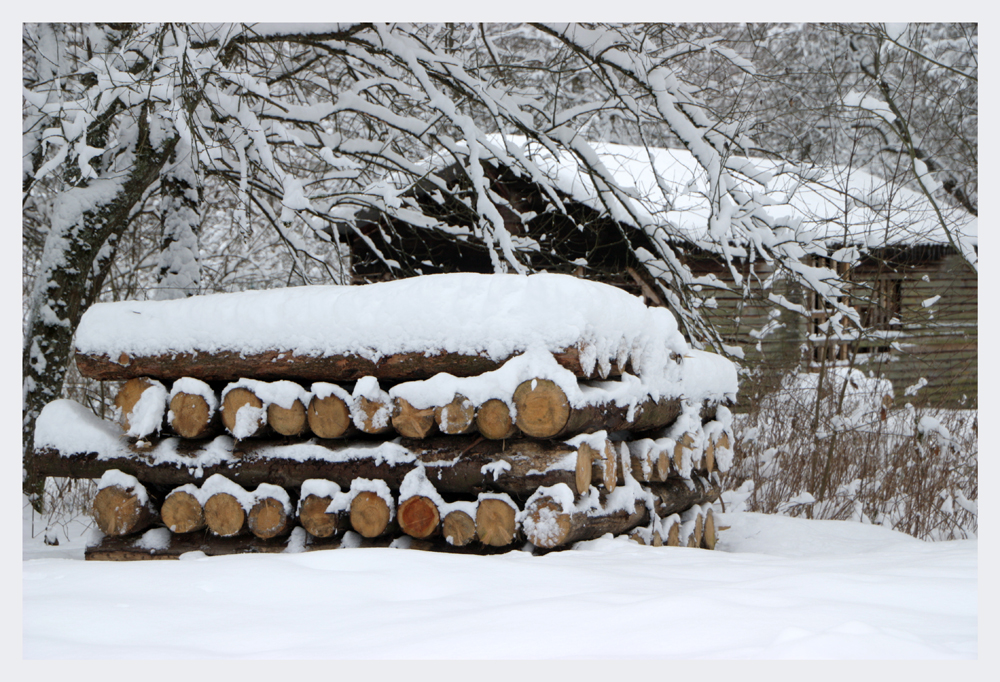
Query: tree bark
{"points": [[70, 281], [284, 364], [454, 464], [677, 494]]}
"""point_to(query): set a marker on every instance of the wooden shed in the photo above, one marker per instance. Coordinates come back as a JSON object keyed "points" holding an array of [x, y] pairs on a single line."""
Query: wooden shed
{"points": [[916, 296]]}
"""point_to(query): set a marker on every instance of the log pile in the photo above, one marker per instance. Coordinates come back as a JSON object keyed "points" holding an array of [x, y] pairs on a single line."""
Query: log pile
{"points": [[245, 453]]}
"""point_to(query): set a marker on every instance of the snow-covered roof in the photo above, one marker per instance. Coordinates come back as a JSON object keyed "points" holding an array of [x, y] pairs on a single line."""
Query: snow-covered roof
{"points": [[840, 205]]}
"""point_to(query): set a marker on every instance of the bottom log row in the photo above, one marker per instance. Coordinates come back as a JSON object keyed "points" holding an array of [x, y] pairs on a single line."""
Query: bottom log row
{"points": [[221, 517]]}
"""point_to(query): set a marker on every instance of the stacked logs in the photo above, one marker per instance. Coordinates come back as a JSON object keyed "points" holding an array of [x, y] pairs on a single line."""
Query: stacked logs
{"points": [[321, 460]]}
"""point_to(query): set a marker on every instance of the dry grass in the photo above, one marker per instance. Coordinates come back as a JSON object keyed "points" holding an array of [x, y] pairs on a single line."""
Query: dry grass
{"points": [[842, 451]]}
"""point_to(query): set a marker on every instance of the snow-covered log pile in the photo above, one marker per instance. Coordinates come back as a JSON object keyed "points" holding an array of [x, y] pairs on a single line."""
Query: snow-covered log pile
{"points": [[462, 412]]}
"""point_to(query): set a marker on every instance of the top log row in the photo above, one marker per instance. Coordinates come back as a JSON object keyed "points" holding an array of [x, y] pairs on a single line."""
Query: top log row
{"points": [[275, 365]]}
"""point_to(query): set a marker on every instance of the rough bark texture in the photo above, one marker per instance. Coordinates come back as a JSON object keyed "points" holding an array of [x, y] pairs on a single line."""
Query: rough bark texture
{"points": [[71, 282], [418, 516], [329, 417], [370, 515], [118, 511], [543, 411], [496, 524], [190, 417], [454, 464], [182, 513], [283, 364]]}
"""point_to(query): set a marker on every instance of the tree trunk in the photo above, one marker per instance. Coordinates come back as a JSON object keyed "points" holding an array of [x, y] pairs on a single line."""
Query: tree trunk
{"points": [[118, 511], [182, 512], [284, 364], [79, 257], [677, 494], [543, 411]]}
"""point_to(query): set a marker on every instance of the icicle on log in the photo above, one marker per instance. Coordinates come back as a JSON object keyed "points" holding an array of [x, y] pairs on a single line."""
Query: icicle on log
{"points": [[282, 364], [544, 411]]}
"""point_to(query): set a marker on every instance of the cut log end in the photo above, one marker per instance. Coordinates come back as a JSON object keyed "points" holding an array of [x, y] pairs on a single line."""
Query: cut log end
{"points": [[289, 421], [547, 525], [235, 400], [369, 514], [410, 422], [493, 420], [458, 528], [373, 416], [328, 417], [127, 398], [315, 519], [495, 522], [709, 536], [182, 513], [118, 511], [190, 416], [418, 516], [457, 417], [268, 519], [585, 456], [542, 408], [224, 515]]}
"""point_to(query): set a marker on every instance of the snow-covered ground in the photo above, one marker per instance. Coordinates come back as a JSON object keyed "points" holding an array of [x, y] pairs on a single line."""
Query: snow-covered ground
{"points": [[776, 587]]}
